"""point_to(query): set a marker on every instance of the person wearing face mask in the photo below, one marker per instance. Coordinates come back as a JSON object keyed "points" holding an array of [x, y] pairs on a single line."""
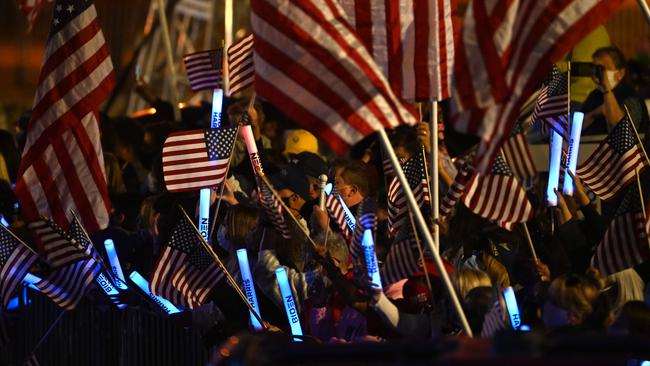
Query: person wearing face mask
{"points": [[605, 106]]}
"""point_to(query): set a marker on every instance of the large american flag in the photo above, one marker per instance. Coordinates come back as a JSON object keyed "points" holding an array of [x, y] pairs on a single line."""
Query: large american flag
{"points": [[185, 273], [552, 107], [204, 69], [334, 204], [456, 190], [273, 208], [504, 52], [197, 159], [310, 64], [15, 260], [613, 165], [414, 170], [625, 243], [62, 166], [412, 42], [241, 72], [67, 285], [58, 248], [517, 153], [498, 196]]}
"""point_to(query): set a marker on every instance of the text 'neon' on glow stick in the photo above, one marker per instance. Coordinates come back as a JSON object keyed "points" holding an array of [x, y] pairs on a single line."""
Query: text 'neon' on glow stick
{"points": [[513, 309], [204, 212], [554, 168], [574, 147], [143, 284], [368, 244], [116, 268], [249, 287], [108, 287], [251, 147], [289, 304]]}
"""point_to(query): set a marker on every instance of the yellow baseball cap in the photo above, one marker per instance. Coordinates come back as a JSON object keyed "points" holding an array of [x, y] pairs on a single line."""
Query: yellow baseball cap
{"points": [[299, 141]]}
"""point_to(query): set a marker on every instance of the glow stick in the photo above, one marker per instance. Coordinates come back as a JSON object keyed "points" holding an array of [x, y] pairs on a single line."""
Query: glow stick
{"points": [[249, 287], [217, 106], [554, 169], [31, 281], [3, 221], [574, 147], [13, 303], [116, 268], [368, 244], [108, 288], [143, 284], [204, 212], [251, 147], [511, 305], [289, 304]]}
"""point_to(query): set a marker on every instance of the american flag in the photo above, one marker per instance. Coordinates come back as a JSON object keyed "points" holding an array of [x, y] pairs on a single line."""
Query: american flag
{"points": [[58, 248], [456, 190], [498, 196], [403, 260], [15, 260], [273, 208], [412, 42], [185, 273], [241, 72], [517, 153], [613, 165], [552, 105], [31, 9], [62, 166], [334, 204], [494, 321], [311, 65], [414, 170], [197, 159], [625, 243], [67, 285], [506, 48], [204, 69], [79, 235]]}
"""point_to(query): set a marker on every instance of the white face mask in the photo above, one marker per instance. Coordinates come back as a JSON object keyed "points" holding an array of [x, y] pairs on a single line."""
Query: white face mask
{"points": [[611, 77]]}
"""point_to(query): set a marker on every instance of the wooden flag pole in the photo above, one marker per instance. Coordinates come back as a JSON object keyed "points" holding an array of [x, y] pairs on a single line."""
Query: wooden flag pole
{"points": [[421, 252], [422, 225], [170, 58], [229, 277], [530, 241], [644, 8]]}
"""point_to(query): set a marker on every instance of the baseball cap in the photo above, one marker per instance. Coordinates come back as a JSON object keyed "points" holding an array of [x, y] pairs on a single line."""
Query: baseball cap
{"points": [[290, 177], [300, 140], [310, 164]]}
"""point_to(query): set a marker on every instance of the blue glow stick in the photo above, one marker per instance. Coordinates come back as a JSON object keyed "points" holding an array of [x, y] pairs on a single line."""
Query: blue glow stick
{"points": [[554, 169], [289, 304], [3, 221], [143, 284], [116, 268], [574, 147], [368, 244], [31, 281], [13, 303], [511, 305], [108, 287], [249, 287]]}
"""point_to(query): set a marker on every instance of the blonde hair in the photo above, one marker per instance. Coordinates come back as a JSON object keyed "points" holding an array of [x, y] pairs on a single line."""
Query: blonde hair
{"points": [[467, 279], [577, 293], [497, 271]]}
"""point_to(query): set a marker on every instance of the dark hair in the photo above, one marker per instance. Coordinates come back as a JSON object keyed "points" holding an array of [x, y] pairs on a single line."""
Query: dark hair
{"points": [[406, 137], [357, 173], [614, 52]]}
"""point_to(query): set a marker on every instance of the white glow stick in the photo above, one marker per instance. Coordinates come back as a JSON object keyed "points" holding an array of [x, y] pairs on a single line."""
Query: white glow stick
{"points": [[251, 147], [217, 106], [143, 284], [289, 304], [108, 287], [116, 268], [554, 169], [249, 287], [368, 244], [511, 305], [574, 147]]}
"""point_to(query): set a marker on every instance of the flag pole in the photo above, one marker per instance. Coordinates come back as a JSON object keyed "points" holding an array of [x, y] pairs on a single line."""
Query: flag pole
{"points": [[421, 252], [435, 204], [227, 31], [229, 277], [530, 241], [170, 58], [419, 220], [638, 139], [20, 241], [644, 8]]}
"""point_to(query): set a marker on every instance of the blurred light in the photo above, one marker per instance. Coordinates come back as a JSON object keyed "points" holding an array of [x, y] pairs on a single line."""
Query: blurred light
{"points": [[143, 113]]}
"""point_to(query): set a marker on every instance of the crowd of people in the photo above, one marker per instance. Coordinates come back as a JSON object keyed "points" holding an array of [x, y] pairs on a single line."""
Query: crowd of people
{"points": [[558, 294]]}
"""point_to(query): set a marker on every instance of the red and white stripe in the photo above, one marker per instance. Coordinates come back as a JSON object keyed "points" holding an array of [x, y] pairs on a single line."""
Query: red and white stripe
{"points": [[310, 64], [506, 49], [195, 285], [57, 248], [517, 153], [606, 173], [67, 285], [403, 261], [169, 262], [204, 69], [412, 42], [334, 204], [19, 260], [456, 190], [241, 72], [62, 166], [624, 245]]}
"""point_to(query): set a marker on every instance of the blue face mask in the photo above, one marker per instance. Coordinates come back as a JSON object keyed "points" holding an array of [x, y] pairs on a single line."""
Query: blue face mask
{"points": [[222, 237]]}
